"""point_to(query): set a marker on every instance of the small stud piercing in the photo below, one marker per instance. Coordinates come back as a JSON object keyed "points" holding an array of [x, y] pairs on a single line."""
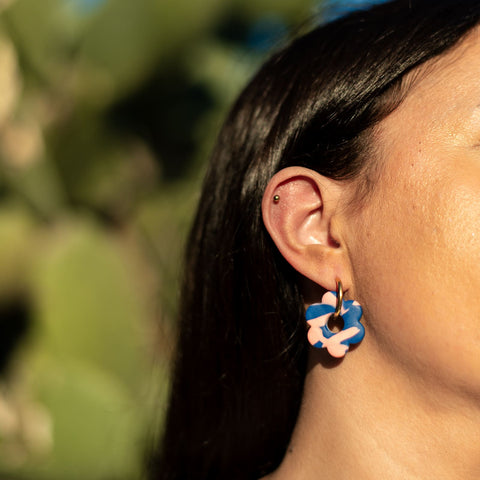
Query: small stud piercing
{"points": [[276, 198]]}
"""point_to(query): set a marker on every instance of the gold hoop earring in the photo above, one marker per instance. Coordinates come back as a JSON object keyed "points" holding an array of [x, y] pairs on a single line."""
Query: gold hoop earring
{"points": [[332, 308]]}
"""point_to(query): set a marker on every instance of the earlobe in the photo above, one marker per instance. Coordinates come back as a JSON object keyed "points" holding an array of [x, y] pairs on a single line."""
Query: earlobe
{"points": [[300, 212]]}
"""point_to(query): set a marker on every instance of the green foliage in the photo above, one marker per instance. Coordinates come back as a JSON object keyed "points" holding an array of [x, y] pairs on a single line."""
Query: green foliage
{"points": [[107, 114]]}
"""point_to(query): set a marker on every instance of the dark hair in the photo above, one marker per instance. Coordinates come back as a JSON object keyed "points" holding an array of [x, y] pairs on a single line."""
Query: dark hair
{"points": [[242, 353]]}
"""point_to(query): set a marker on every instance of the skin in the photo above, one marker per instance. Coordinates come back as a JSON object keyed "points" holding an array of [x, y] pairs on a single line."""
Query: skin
{"points": [[415, 248], [405, 404]]}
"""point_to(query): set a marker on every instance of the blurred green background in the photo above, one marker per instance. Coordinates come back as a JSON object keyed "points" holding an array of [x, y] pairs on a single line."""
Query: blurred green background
{"points": [[108, 110]]}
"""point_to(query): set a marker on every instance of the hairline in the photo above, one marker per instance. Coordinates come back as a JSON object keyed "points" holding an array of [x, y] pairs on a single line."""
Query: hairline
{"points": [[363, 184]]}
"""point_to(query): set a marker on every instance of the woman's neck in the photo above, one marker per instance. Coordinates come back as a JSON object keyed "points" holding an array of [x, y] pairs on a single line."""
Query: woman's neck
{"points": [[366, 419]]}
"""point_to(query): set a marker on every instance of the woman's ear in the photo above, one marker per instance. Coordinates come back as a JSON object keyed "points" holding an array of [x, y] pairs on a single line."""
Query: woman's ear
{"points": [[302, 212]]}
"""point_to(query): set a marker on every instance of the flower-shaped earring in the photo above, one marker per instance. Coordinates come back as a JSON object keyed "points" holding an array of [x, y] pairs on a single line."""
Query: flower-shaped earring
{"points": [[332, 308]]}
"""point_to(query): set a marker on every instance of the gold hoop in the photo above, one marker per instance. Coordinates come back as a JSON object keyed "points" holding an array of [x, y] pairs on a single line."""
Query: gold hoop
{"points": [[338, 308]]}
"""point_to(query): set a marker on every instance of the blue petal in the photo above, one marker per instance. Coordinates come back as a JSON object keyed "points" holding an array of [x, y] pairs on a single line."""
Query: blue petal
{"points": [[317, 310]]}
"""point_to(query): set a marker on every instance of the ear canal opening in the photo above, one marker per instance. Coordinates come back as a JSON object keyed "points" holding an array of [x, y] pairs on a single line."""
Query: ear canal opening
{"points": [[332, 242]]}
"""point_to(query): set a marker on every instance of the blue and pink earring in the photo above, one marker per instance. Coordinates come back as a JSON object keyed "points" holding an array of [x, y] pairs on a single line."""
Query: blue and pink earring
{"points": [[330, 310]]}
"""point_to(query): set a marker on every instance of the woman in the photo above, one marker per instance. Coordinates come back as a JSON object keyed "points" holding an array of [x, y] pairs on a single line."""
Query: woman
{"points": [[351, 160]]}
